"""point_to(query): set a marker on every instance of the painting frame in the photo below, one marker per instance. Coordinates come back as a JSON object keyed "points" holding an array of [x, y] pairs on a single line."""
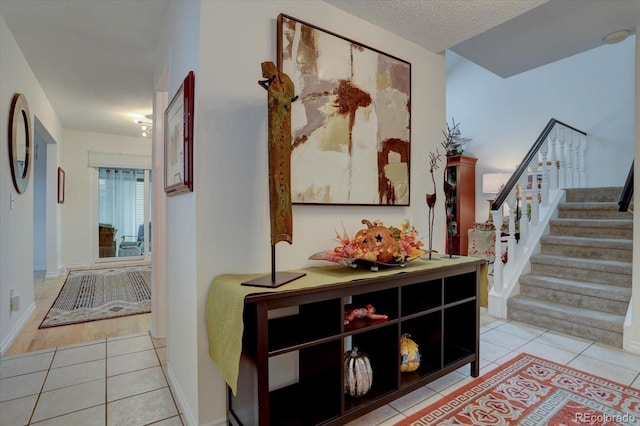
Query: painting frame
{"points": [[61, 185], [178, 139], [366, 164]]}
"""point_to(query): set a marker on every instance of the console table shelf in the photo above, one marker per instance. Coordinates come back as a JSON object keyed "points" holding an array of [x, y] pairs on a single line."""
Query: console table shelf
{"points": [[436, 302]]}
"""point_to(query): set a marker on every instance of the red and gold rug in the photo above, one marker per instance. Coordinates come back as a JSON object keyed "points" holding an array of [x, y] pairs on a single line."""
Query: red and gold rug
{"points": [[534, 391]]}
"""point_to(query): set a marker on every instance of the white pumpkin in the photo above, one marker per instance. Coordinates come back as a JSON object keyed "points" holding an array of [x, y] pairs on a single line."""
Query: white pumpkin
{"points": [[358, 376]]}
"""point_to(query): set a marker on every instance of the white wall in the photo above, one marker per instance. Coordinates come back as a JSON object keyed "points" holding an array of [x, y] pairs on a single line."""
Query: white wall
{"points": [[632, 334], [39, 203], [178, 51], [592, 91], [16, 225], [230, 202], [80, 208]]}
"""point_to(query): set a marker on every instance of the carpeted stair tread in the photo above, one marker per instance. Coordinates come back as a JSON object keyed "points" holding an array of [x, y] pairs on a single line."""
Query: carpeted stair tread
{"points": [[594, 223], [588, 247], [594, 205], [604, 243], [584, 323], [609, 228], [589, 210], [613, 292], [580, 282], [612, 266], [560, 311], [591, 205], [607, 193]]}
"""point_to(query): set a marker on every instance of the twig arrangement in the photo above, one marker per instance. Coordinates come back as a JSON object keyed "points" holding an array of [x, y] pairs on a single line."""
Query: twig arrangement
{"points": [[453, 143]]}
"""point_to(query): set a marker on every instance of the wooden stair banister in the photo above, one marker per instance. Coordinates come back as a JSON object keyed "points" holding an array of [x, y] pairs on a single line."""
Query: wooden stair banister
{"points": [[528, 158]]}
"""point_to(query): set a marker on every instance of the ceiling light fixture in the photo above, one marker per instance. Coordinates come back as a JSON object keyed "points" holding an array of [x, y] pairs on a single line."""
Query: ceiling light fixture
{"points": [[145, 126], [617, 36]]}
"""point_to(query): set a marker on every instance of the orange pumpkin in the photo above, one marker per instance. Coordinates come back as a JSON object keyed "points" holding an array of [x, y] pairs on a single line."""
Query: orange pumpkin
{"points": [[377, 244]]}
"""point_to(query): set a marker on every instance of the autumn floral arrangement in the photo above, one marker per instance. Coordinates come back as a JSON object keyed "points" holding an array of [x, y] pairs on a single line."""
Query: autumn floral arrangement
{"points": [[376, 244]]}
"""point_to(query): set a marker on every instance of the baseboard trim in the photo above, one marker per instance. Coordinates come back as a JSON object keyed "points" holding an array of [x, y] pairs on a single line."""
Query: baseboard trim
{"points": [[78, 266], [185, 413], [57, 273], [187, 416], [8, 341], [633, 347], [629, 334]]}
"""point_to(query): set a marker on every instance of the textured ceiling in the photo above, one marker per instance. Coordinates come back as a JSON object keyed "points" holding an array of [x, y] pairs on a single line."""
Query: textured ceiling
{"points": [[436, 24], [553, 31], [94, 58]]}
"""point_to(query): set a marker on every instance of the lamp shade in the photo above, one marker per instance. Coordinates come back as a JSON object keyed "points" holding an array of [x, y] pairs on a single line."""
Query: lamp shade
{"points": [[491, 182]]}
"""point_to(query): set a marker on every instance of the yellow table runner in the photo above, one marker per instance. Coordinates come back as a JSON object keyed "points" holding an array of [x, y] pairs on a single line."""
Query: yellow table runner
{"points": [[225, 303]]}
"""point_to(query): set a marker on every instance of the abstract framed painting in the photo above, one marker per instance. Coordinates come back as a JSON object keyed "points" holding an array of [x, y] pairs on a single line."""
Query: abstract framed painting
{"points": [[351, 123], [178, 139]]}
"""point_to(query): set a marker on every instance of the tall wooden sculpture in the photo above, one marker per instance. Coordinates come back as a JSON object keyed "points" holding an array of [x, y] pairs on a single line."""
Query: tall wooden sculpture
{"points": [[280, 95], [431, 198]]}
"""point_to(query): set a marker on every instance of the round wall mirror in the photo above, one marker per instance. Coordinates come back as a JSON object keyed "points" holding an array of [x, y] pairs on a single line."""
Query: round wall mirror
{"points": [[20, 137]]}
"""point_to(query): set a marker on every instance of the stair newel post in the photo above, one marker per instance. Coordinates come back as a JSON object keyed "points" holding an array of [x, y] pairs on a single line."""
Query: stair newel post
{"points": [[544, 150], [562, 167], [569, 171], [583, 161], [498, 285], [553, 137]]}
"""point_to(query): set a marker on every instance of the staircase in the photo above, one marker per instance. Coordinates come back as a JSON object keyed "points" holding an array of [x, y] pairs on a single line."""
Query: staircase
{"points": [[580, 283]]}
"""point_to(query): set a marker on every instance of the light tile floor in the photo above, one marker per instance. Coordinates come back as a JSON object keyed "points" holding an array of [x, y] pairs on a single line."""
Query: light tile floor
{"points": [[122, 381], [115, 381]]}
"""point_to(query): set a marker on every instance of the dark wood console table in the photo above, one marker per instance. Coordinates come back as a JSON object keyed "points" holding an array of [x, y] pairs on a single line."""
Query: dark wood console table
{"points": [[437, 302]]}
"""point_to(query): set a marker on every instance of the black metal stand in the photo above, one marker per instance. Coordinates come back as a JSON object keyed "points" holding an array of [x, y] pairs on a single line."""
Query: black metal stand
{"points": [[276, 279]]}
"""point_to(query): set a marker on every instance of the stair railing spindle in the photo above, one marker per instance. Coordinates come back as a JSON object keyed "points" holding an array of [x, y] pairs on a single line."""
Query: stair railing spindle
{"points": [[545, 172], [583, 161], [511, 238], [553, 137], [498, 284], [576, 160], [569, 157], [561, 164]]}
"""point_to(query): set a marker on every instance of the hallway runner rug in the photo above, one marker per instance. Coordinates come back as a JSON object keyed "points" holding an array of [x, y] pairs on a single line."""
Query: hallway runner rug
{"points": [[98, 294], [533, 391]]}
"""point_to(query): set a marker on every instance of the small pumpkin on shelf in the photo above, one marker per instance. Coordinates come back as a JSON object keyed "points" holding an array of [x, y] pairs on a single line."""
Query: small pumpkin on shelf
{"points": [[409, 354], [358, 375]]}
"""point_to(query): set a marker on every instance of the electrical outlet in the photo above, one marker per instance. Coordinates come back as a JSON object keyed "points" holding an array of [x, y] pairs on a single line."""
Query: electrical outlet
{"points": [[14, 301]]}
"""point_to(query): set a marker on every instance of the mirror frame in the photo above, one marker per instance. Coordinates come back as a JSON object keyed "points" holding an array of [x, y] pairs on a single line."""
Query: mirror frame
{"points": [[20, 115]]}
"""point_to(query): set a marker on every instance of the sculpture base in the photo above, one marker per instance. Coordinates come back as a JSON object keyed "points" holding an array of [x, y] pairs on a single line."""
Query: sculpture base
{"points": [[270, 281]]}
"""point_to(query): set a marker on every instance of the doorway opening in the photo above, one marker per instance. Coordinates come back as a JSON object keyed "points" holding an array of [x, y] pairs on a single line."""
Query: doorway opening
{"points": [[124, 211]]}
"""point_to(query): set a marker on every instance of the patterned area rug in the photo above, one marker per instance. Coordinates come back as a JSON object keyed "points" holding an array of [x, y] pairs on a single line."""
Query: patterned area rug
{"points": [[533, 391], [100, 294]]}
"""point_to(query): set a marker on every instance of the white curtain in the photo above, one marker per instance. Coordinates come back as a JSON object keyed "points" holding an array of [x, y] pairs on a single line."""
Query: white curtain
{"points": [[117, 200]]}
